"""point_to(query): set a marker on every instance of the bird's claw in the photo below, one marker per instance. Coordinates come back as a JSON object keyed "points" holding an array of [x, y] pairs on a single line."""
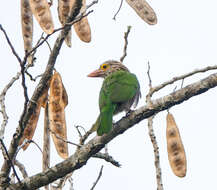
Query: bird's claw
{"points": [[129, 112]]}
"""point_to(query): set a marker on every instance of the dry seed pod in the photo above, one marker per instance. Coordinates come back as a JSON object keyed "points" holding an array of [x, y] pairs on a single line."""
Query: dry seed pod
{"points": [[64, 8], [31, 126], [32, 123], [82, 27], [57, 116], [27, 26], [175, 148], [144, 10], [41, 11]]}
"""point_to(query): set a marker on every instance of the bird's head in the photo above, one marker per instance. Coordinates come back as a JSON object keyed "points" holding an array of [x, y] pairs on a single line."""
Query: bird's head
{"points": [[107, 68]]}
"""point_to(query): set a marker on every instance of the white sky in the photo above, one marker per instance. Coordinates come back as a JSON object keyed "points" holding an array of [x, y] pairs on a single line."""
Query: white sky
{"points": [[184, 39]]}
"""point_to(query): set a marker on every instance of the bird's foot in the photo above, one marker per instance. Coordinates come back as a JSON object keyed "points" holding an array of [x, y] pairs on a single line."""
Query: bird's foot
{"points": [[129, 112]]}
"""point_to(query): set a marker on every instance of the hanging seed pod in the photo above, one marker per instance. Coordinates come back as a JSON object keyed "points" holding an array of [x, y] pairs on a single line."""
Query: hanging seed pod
{"points": [[144, 10], [27, 27], [31, 126], [64, 8], [57, 116], [82, 27], [175, 148], [41, 11], [29, 131]]}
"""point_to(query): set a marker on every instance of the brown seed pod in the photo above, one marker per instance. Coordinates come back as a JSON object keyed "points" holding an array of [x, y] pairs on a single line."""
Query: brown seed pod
{"points": [[64, 8], [41, 11], [175, 148], [57, 115], [27, 26], [32, 123], [31, 126], [82, 27], [144, 10]]}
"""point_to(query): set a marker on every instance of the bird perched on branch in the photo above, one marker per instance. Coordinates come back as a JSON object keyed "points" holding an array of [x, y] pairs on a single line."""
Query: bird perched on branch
{"points": [[120, 90]]}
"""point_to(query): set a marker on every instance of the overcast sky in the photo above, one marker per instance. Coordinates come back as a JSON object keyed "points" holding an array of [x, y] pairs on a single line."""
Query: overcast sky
{"points": [[183, 39]]}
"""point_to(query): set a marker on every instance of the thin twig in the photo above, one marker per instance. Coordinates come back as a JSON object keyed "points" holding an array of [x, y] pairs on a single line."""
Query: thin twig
{"points": [[21, 168], [10, 44], [153, 137], [2, 103], [61, 182], [181, 77], [48, 45], [84, 137], [8, 157], [46, 143], [125, 44], [98, 178], [66, 141], [107, 158], [114, 18]]}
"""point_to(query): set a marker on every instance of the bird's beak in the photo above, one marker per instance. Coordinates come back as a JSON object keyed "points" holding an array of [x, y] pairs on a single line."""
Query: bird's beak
{"points": [[96, 73]]}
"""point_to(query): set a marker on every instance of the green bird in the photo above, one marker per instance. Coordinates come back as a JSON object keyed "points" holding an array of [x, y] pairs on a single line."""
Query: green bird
{"points": [[120, 90]]}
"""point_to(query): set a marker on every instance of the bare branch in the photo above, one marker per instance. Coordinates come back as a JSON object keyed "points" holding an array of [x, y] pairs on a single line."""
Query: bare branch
{"points": [[21, 168], [46, 144], [107, 158], [66, 141], [153, 137], [10, 44], [98, 178], [82, 155], [126, 43], [156, 153], [114, 18], [2, 103], [181, 77], [9, 159]]}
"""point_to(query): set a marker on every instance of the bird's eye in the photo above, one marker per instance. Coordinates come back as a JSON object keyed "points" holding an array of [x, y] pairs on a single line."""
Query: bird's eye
{"points": [[104, 66]]}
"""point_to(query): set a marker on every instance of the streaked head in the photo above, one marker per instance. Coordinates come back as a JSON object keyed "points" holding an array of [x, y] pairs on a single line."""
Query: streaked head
{"points": [[107, 68]]}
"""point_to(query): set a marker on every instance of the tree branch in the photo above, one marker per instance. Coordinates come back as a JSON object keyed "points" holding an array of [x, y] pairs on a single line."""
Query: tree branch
{"points": [[82, 155]]}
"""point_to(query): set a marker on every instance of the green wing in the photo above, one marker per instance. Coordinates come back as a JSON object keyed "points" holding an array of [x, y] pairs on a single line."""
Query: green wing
{"points": [[120, 87], [117, 88]]}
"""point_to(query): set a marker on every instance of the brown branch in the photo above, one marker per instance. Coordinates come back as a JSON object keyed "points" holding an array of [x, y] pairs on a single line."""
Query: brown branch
{"points": [[82, 155], [107, 158], [125, 44], [98, 178]]}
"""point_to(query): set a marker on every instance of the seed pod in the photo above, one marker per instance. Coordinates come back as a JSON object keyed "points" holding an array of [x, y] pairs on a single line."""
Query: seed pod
{"points": [[175, 148], [57, 116], [82, 27], [31, 126], [27, 26], [41, 11], [32, 122], [64, 9], [144, 10]]}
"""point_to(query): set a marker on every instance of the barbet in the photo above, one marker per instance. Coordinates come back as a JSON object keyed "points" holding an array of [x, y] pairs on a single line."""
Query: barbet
{"points": [[120, 90]]}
